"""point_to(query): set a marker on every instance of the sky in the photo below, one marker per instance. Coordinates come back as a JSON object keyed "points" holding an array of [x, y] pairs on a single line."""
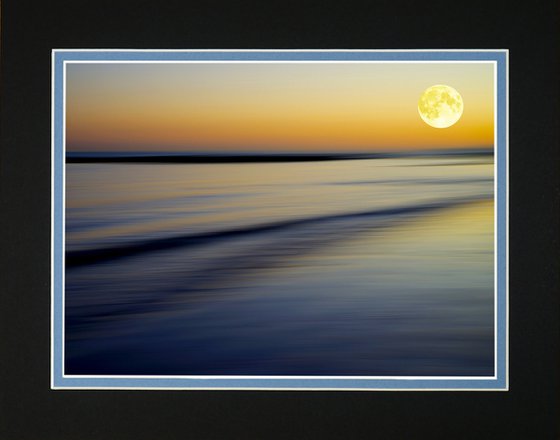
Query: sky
{"points": [[271, 107]]}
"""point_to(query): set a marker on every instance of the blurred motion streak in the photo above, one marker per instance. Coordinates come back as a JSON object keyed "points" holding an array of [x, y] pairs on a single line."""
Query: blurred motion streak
{"points": [[345, 267]]}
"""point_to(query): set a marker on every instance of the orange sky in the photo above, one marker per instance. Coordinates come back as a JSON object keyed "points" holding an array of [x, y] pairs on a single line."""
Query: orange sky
{"points": [[342, 107]]}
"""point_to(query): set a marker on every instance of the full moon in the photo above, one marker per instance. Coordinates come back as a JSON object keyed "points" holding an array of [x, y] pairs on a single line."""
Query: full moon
{"points": [[440, 106]]}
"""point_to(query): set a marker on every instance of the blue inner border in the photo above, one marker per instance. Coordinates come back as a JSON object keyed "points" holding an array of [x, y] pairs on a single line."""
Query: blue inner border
{"points": [[60, 381]]}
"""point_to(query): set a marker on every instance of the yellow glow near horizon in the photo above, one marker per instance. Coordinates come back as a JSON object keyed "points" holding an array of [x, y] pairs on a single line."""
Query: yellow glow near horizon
{"points": [[271, 106]]}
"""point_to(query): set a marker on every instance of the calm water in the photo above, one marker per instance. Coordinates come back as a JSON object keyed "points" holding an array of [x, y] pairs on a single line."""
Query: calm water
{"points": [[359, 267]]}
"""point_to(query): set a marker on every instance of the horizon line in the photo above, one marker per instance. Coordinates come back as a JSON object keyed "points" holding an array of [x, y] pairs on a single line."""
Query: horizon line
{"points": [[255, 157]]}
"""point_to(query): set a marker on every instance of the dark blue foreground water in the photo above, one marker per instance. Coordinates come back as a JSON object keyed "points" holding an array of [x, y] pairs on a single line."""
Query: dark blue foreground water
{"points": [[379, 267]]}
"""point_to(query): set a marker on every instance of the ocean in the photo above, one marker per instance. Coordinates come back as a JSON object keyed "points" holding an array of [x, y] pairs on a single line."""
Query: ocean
{"points": [[364, 267]]}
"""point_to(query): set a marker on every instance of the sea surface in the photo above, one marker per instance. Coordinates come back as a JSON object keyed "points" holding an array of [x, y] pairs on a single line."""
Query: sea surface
{"points": [[370, 267]]}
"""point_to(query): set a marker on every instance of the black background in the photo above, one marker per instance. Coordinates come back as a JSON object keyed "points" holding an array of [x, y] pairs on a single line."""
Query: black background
{"points": [[30, 410]]}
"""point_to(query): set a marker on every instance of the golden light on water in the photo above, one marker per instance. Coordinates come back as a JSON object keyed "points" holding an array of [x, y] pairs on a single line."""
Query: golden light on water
{"points": [[440, 106]]}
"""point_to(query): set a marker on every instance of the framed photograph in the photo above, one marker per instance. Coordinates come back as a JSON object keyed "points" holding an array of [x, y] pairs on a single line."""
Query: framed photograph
{"points": [[280, 219]]}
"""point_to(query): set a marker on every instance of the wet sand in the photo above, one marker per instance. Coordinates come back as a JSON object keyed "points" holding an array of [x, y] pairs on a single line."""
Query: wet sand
{"points": [[412, 297]]}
